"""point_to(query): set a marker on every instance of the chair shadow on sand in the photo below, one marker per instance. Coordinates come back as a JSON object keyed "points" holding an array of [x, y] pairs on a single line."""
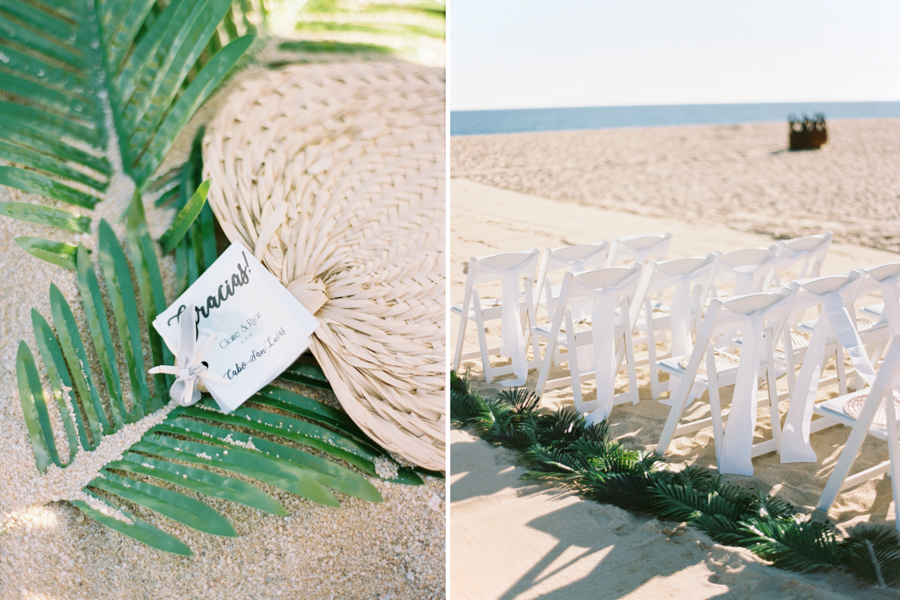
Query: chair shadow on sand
{"points": [[600, 551], [634, 551], [621, 570]]}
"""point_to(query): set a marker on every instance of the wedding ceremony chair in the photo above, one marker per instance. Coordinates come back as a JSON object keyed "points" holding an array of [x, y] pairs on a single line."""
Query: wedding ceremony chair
{"points": [[514, 308], [759, 318], [558, 261], [593, 322], [871, 411], [882, 280], [686, 283], [872, 330], [801, 258], [749, 270], [836, 325]]}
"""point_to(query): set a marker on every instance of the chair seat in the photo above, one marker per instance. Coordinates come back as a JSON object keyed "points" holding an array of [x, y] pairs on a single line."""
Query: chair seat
{"points": [[799, 341], [873, 310], [583, 331], [677, 365], [491, 308], [662, 312], [841, 409], [863, 325], [726, 364]]}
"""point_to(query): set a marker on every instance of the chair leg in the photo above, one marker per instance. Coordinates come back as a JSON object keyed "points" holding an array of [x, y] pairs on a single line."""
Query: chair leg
{"points": [[774, 412], [651, 353], [460, 340], [790, 365], [546, 363], [536, 347], [715, 406], [893, 451], [679, 402], [482, 337], [842, 468], [574, 372], [841, 371], [632, 370]]}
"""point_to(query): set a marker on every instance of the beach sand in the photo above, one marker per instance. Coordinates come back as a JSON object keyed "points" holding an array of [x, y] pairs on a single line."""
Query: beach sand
{"points": [[740, 174], [516, 541]]}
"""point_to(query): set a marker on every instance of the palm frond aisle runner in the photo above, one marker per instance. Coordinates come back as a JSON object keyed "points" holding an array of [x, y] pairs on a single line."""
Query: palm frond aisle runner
{"points": [[560, 447]]}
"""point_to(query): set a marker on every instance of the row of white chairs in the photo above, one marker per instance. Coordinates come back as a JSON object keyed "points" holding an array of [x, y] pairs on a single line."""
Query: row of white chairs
{"points": [[595, 314], [754, 269], [771, 347]]}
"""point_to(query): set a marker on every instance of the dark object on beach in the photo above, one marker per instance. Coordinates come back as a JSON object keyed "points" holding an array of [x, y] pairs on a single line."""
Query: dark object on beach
{"points": [[807, 134]]}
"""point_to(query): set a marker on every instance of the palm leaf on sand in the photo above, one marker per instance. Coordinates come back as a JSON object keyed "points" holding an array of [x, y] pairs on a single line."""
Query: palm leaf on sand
{"points": [[279, 437]]}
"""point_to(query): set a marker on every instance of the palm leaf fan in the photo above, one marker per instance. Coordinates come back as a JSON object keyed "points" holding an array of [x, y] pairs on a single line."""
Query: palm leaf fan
{"points": [[333, 176]]}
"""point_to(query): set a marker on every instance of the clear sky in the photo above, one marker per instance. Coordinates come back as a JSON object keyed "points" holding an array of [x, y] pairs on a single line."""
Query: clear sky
{"points": [[551, 53]]}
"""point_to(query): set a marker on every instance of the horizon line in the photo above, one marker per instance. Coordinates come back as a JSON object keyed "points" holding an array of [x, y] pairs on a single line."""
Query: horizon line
{"points": [[678, 104]]}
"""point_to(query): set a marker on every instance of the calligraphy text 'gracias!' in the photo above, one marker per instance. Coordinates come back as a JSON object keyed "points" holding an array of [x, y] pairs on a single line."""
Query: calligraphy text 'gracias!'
{"points": [[226, 291]]}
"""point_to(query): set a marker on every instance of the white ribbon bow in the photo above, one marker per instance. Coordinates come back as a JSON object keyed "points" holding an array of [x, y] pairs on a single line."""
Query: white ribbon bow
{"points": [[189, 364]]}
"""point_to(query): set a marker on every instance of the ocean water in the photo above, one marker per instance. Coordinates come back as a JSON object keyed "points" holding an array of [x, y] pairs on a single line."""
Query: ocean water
{"points": [[472, 122]]}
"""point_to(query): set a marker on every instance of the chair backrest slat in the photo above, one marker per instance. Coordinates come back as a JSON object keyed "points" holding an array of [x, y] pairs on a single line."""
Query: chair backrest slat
{"points": [[639, 248]]}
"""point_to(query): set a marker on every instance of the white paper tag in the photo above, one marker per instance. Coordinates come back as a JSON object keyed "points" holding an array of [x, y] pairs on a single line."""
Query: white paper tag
{"points": [[260, 327]]}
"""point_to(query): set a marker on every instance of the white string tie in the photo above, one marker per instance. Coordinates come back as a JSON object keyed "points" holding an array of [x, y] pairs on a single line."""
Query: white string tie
{"points": [[190, 369]]}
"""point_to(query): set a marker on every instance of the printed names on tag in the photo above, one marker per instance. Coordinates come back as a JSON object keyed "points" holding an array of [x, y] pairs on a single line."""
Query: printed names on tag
{"points": [[259, 327]]}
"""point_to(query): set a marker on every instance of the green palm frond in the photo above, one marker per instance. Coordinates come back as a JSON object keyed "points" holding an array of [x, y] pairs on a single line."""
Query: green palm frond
{"points": [[684, 503], [873, 554], [522, 400], [567, 425], [721, 529], [547, 460], [699, 478], [805, 546], [375, 27], [567, 451], [92, 87], [625, 490], [465, 406], [763, 506], [278, 437], [497, 421]]}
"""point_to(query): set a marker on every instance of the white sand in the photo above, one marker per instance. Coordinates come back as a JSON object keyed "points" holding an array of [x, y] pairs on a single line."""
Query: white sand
{"points": [[709, 173], [504, 536]]}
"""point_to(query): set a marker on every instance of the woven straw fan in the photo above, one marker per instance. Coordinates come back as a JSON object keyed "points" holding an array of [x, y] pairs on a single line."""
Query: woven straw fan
{"points": [[333, 176]]}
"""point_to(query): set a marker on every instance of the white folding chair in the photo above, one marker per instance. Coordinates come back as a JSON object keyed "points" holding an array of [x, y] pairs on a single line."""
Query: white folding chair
{"points": [[873, 331], [836, 326], [750, 270], [687, 283], [639, 249], [593, 323], [509, 269], [558, 261], [871, 318], [759, 318], [802, 257], [872, 411]]}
